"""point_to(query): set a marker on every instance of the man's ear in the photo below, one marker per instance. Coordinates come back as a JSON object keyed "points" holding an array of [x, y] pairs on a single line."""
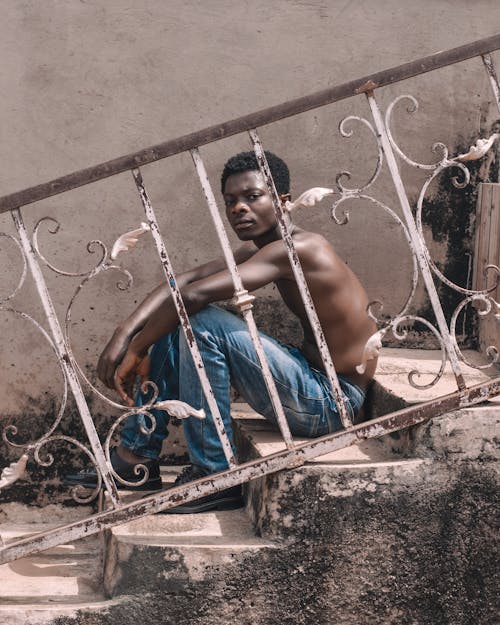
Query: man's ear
{"points": [[285, 197]]}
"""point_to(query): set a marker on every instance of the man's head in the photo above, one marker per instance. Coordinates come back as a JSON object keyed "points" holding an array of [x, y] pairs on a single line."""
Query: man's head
{"points": [[249, 206], [247, 161]]}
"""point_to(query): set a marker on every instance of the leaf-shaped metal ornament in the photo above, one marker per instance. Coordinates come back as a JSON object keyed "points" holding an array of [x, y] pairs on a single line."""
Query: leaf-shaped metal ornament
{"points": [[372, 350], [13, 472], [479, 149], [309, 198], [179, 409], [128, 240]]}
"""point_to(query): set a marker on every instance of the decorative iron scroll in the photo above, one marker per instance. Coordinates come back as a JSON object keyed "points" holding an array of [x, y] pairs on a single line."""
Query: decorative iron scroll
{"points": [[175, 408], [411, 225], [340, 215], [446, 339]]}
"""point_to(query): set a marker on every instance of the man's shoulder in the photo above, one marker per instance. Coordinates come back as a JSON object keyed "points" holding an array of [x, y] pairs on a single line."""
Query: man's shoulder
{"points": [[312, 243], [306, 236]]}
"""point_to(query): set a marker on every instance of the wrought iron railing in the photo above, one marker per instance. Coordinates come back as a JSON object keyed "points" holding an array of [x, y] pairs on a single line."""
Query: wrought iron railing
{"points": [[76, 381]]}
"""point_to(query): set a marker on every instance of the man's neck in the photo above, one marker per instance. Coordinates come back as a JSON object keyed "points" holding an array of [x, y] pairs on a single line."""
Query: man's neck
{"points": [[274, 235]]}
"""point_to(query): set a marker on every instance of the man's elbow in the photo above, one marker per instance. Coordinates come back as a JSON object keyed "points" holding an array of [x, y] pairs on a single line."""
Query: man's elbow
{"points": [[193, 300]]}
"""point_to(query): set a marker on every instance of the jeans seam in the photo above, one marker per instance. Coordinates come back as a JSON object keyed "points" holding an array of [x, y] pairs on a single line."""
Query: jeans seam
{"points": [[258, 368]]}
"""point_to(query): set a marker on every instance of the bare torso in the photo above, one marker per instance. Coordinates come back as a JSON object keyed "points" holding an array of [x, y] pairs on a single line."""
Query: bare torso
{"points": [[340, 301]]}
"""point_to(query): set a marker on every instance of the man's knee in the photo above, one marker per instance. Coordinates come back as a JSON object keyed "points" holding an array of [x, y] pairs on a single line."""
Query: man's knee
{"points": [[210, 318]]}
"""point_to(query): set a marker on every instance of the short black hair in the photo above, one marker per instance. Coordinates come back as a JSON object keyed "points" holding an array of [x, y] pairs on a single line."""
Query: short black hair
{"points": [[247, 161]]}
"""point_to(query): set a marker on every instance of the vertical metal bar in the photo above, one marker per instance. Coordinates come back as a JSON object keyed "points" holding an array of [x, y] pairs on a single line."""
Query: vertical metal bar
{"points": [[301, 282], [184, 319], [64, 356], [241, 297], [492, 75], [416, 241]]}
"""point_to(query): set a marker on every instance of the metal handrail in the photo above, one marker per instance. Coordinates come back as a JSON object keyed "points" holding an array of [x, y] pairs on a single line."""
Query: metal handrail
{"points": [[248, 122]]}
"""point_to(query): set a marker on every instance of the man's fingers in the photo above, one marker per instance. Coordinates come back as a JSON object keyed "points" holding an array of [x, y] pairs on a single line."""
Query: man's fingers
{"points": [[143, 369], [119, 385]]}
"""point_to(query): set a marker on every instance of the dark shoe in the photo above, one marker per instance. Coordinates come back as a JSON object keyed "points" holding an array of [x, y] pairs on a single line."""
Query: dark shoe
{"points": [[228, 499], [88, 477]]}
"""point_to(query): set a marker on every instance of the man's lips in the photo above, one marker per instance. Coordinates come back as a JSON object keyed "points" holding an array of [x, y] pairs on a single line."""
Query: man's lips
{"points": [[242, 224]]}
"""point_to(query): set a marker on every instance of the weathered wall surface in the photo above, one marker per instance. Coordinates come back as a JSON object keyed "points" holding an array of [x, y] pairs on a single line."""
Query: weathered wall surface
{"points": [[87, 81]]}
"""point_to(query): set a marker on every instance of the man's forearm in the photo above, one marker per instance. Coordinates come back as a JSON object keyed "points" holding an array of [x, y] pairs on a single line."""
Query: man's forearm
{"points": [[162, 321], [147, 308]]}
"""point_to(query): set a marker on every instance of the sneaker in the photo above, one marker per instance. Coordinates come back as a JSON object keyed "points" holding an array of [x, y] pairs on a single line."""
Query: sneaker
{"points": [[228, 499], [88, 477]]}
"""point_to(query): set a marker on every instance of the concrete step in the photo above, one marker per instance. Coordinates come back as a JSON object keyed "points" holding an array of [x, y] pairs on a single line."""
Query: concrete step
{"points": [[168, 552], [391, 536], [363, 471], [395, 365], [58, 582]]}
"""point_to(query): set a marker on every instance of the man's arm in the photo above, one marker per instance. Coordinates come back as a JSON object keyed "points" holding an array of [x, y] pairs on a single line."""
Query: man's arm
{"points": [[265, 266], [117, 346]]}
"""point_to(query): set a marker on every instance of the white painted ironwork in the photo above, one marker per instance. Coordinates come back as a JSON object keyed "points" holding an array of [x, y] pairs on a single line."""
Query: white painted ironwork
{"points": [[242, 299], [175, 407], [480, 149], [184, 319], [492, 75], [312, 315], [294, 454], [420, 252], [64, 356], [128, 240], [288, 458], [417, 244]]}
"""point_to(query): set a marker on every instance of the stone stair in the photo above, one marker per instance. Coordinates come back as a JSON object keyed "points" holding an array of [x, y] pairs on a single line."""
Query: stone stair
{"points": [[55, 583], [396, 530], [167, 551]]}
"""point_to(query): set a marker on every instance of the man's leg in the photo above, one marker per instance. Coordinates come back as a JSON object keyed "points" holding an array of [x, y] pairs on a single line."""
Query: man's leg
{"points": [[229, 357], [138, 437], [141, 439]]}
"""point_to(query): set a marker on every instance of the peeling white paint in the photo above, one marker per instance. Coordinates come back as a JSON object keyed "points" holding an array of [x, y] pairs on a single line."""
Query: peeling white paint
{"points": [[179, 409], [371, 350]]}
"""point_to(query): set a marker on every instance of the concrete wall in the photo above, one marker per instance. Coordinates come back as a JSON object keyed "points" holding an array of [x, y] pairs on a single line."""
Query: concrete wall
{"points": [[86, 81]]}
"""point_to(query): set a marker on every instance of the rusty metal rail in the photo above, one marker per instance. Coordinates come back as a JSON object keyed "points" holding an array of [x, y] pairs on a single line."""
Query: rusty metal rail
{"points": [[389, 152], [248, 122]]}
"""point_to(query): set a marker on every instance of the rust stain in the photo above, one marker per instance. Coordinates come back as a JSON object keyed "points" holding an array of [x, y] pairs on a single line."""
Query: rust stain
{"points": [[368, 87]]}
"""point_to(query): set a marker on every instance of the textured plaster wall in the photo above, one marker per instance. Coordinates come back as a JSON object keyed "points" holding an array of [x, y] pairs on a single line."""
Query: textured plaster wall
{"points": [[86, 81]]}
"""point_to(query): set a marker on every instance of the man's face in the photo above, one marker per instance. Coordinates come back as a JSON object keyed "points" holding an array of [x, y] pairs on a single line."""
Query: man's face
{"points": [[249, 207]]}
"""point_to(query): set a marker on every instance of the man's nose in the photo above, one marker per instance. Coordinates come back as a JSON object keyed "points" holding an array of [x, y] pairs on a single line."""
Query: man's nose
{"points": [[240, 206]]}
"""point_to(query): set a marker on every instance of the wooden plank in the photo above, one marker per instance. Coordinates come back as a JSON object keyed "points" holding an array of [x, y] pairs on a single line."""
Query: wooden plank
{"points": [[477, 264], [487, 252]]}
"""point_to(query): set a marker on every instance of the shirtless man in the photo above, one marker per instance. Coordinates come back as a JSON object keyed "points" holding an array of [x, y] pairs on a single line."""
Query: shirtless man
{"points": [[225, 345]]}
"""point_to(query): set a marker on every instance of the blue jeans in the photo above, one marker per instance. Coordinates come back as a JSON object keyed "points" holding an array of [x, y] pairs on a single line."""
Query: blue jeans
{"points": [[227, 351]]}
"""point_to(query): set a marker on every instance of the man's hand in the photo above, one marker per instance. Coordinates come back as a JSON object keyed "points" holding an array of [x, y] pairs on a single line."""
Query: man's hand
{"points": [[111, 357], [132, 366]]}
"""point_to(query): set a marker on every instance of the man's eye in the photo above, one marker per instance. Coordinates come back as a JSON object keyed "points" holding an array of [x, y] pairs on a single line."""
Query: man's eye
{"points": [[254, 196]]}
